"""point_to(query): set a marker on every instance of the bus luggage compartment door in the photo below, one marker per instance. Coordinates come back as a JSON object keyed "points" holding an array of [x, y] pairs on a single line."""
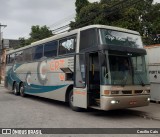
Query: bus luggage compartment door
{"points": [[80, 88]]}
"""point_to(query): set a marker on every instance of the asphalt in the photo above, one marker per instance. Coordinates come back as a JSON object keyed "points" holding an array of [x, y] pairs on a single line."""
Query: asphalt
{"points": [[149, 112]]}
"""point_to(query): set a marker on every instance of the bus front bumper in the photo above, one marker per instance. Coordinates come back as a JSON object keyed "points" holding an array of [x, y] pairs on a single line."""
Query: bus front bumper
{"points": [[120, 102]]}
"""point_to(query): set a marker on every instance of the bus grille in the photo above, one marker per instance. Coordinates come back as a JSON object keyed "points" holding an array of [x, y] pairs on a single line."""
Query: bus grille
{"points": [[138, 91], [127, 91]]}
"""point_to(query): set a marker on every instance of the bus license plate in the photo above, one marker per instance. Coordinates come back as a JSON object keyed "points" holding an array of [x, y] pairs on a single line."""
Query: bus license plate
{"points": [[133, 102]]}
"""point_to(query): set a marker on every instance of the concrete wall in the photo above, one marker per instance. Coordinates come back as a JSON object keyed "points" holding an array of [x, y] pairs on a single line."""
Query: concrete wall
{"points": [[153, 62]]}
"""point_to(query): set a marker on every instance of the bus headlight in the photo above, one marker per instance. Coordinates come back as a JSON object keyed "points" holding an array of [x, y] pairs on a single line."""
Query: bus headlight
{"points": [[114, 102], [148, 99]]}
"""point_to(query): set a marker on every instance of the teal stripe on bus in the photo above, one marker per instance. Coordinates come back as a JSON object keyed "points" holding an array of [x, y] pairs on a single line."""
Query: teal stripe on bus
{"points": [[42, 89]]}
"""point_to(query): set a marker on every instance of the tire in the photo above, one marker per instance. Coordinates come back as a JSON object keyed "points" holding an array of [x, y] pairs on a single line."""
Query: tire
{"points": [[15, 90], [70, 100], [21, 90]]}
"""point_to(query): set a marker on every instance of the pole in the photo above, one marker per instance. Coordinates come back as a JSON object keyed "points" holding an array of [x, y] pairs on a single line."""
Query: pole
{"points": [[1, 56]]}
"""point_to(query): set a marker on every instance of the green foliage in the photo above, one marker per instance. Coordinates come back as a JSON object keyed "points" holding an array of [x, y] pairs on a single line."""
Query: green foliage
{"points": [[37, 33], [152, 24], [142, 16], [80, 4], [87, 16]]}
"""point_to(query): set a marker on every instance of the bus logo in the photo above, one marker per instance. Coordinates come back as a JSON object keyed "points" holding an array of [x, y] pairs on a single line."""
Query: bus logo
{"points": [[42, 72]]}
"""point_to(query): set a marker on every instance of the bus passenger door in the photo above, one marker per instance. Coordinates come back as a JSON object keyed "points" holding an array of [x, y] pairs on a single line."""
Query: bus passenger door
{"points": [[80, 88]]}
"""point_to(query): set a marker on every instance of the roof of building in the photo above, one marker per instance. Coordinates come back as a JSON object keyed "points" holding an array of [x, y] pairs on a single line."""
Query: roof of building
{"points": [[152, 46]]}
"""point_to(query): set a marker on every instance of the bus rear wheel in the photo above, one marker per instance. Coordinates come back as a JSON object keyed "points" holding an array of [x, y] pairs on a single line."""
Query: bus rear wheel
{"points": [[22, 89], [70, 100], [15, 91]]}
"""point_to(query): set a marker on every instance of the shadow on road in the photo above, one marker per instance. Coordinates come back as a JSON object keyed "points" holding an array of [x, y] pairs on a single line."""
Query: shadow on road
{"points": [[122, 113], [116, 114]]}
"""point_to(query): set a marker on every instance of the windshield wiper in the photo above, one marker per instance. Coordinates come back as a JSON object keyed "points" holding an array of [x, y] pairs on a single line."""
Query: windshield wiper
{"points": [[140, 79]]}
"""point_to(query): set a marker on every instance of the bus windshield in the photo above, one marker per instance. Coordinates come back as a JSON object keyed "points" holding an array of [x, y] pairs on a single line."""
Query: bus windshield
{"points": [[124, 70], [117, 38]]}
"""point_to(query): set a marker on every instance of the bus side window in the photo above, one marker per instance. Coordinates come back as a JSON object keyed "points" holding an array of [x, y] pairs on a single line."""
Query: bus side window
{"points": [[87, 39], [28, 55], [50, 49], [37, 52], [12, 58], [19, 56], [7, 59], [67, 45]]}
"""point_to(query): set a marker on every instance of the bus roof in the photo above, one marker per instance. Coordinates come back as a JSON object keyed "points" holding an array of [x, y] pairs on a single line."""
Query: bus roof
{"points": [[72, 33], [110, 28]]}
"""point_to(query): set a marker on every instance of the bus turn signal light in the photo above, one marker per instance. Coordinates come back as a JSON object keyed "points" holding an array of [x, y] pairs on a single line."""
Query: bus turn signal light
{"points": [[106, 92]]}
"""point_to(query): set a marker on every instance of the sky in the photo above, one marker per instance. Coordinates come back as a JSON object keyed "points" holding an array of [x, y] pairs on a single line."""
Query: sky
{"points": [[20, 15]]}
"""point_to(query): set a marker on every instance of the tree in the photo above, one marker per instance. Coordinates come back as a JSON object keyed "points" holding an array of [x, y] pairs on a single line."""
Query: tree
{"points": [[80, 4], [22, 43], [37, 33], [86, 16], [141, 16], [151, 26]]}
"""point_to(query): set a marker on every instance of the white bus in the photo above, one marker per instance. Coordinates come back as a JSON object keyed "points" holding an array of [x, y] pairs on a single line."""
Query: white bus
{"points": [[96, 66]]}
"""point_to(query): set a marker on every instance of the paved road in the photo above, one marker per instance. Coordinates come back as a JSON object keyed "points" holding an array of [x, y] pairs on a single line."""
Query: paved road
{"points": [[35, 112]]}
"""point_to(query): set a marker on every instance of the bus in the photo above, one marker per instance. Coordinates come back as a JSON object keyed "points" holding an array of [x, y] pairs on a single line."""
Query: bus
{"points": [[97, 66]]}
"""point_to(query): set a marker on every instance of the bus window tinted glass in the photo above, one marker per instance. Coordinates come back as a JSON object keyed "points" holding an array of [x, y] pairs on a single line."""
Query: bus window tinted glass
{"points": [[67, 46], [28, 54], [38, 52], [19, 56], [140, 71], [12, 57], [88, 39], [117, 38], [50, 49], [7, 59], [80, 71]]}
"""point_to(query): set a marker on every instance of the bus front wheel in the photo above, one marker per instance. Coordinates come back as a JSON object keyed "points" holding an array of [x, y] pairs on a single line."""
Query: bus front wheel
{"points": [[22, 89], [71, 102]]}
